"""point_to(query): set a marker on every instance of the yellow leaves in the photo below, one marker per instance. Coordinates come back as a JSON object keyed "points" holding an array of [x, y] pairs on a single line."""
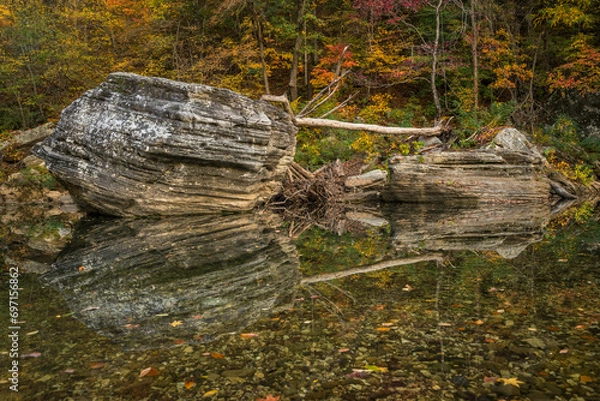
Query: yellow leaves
{"points": [[5, 16], [249, 335], [175, 323], [210, 393], [512, 381]]}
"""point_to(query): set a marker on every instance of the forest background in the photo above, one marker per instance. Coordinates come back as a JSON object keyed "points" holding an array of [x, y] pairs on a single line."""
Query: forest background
{"points": [[477, 64]]}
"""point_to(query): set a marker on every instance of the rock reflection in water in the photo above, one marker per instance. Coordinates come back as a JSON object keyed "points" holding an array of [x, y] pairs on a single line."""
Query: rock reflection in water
{"points": [[505, 228], [148, 283]]}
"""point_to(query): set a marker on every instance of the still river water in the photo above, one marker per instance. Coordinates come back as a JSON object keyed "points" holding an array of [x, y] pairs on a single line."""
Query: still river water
{"points": [[405, 303]]}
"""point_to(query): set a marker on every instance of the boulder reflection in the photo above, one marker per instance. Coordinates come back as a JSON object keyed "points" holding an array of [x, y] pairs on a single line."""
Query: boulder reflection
{"points": [[152, 283], [505, 228]]}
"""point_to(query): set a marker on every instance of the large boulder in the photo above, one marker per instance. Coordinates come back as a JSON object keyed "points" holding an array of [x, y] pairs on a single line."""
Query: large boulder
{"points": [[510, 171], [138, 146]]}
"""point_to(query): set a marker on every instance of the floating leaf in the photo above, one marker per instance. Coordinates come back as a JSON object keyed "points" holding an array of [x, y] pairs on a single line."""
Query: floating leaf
{"points": [[487, 379], [189, 384], [176, 323], [149, 372], [382, 329], [249, 335], [216, 355], [342, 350], [374, 368], [586, 379], [32, 355], [97, 365], [269, 397], [69, 371], [210, 393], [478, 322], [580, 327], [130, 326], [512, 381], [358, 373], [32, 333]]}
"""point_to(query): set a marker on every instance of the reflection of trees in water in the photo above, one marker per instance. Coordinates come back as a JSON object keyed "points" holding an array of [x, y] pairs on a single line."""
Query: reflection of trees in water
{"points": [[130, 278]]}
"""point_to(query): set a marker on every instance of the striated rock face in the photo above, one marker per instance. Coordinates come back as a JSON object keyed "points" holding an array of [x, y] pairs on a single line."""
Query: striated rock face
{"points": [[130, 279], [511, 172], [505, 228], [138, 146]]}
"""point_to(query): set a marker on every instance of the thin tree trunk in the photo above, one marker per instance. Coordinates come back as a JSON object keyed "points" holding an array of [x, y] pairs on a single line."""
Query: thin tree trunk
{"points": [[436, 43], [296, 54], [475, 54], [261, 48]]}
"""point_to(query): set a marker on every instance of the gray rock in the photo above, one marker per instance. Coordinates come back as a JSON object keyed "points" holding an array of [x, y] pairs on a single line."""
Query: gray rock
{"points": [[130, 278], [138, 146], [29, 137]]}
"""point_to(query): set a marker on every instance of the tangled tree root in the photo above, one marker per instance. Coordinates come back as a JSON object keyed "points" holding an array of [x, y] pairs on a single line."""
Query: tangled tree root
{"points": [[316, 198]]}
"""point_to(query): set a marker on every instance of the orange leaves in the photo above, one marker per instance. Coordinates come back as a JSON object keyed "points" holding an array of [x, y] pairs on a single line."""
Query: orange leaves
{"points": [[189, 384], [216, 355], [581, 73], [322, 74], [148, 372], [249, 335], [269, 397]]}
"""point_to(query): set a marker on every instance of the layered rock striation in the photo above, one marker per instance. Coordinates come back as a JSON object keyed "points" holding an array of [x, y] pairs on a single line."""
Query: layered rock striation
{"points": [[139, 146]]}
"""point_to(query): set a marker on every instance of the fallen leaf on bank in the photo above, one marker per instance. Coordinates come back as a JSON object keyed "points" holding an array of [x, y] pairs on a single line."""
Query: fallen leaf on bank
{"points": [[586, 379], [388, 324], [179, 342], [210, 393], [249, 335], [478, 322], [97, 365], [342, 350], [580, 327], [444, 324], [32, 333], [189, 384], [148, 372], [197, 316], [563, 351], [382, 329], [216, 355], [176, 323], [69, 371], [32, 355], [512, 381]]}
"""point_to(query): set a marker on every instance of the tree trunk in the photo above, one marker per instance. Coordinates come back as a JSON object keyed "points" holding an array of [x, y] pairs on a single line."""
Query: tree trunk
{"points": [[261, 47], [436, 97], [296, 55], [474, 52]]}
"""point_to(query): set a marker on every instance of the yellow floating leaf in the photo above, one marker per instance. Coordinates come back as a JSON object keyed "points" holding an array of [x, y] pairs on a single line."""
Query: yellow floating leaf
{"points": [[210, 393], [32, 332], [512, 381], [249, 335], [383, 329], [479, 322], [176, 323]]}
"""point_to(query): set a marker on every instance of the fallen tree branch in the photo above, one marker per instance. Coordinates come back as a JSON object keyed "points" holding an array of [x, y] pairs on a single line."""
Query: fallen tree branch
{"points": [[371, 268], [321, 122]]}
